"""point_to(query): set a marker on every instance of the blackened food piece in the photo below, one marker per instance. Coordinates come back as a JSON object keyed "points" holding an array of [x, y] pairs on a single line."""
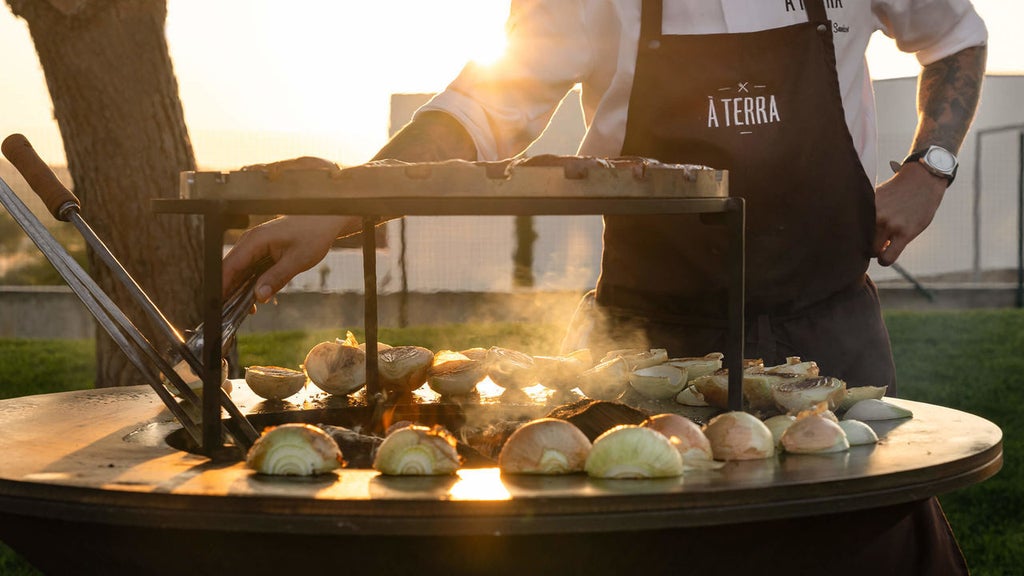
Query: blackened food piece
{"points": [[488, 441], [357, 449], [594, 417]]}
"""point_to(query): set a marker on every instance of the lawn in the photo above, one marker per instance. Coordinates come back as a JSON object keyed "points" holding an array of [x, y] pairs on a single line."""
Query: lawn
{"points": [[969, 360]]}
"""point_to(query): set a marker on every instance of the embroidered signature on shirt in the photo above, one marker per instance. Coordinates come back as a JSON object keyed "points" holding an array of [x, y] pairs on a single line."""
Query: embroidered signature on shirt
{"points": [[791, 5]]}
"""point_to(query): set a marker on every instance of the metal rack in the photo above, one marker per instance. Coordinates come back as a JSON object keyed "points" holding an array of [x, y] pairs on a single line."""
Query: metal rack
{"points": [[221, 198]]}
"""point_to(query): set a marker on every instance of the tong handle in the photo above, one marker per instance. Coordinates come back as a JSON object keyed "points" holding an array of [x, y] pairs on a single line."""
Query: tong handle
{"points": [[44, 182]]}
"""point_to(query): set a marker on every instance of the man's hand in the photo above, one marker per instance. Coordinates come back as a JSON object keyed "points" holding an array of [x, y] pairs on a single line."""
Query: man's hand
{"points": [[294, 243], [904, 206], [297, 243]]}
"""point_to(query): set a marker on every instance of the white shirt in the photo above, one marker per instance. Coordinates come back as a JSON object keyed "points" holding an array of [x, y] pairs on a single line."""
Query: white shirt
{"points": [[556, 44]]}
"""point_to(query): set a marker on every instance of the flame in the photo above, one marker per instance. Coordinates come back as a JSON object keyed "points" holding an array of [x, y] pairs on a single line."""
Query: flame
{"points": [[479, 484]]}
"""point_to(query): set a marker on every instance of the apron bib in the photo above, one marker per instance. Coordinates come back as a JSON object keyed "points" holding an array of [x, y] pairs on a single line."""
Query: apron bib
{"points": [[765, 106]]}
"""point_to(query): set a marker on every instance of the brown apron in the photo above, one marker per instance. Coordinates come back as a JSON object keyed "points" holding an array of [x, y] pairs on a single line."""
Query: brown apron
{"points": [[767, 107]]}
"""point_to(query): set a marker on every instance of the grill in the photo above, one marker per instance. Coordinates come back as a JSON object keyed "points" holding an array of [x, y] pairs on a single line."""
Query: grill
{"points": [[113, 468]]}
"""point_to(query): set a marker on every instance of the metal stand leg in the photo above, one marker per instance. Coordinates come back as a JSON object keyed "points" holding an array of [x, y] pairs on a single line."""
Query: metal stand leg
{"points": [[373, 389], [736, 221]]}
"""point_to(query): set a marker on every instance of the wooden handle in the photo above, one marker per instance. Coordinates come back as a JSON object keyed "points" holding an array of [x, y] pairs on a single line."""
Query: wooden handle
{"points": [[43, 181]]}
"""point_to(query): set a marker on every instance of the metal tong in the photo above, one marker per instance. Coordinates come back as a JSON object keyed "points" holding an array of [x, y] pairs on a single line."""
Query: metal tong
{"points": [[65, 206]]}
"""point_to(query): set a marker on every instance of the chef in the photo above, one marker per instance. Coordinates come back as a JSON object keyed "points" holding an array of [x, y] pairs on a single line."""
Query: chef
{"points": [[778, 93]]}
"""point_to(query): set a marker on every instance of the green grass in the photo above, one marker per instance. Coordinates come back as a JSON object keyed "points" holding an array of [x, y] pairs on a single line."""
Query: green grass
{"points": [[973, 361], [30, 367], [969, 360]]}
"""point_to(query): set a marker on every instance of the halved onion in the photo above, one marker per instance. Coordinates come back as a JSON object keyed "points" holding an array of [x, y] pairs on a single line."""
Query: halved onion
{"points": [[337, 367], [858, 433], [858, 393], [739, 436], [478, 354], [757, 389], [804, 393], [684, 434], [510, 369], [403, 368], [871, 409], [606, 381], [814, 434], [453, 373], [274, 382], [637, 359], [793, 365], [629, 451], [698, 367], [658, 382], [545, 446], [690, 397], [294, 450], [562, 372], [778, 424], [417, 451]]}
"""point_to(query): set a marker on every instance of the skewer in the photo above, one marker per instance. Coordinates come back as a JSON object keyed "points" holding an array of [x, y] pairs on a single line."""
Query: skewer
{"points": [[64, 206], [187, 351], [114, 324]]}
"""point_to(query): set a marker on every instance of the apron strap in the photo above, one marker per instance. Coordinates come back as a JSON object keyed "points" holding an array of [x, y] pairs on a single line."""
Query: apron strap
{"points": [[650, 21], [650, 17], [815, 10]]}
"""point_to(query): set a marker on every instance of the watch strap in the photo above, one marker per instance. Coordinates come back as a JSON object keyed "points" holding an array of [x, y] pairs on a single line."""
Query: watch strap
{"points": [[915, 157]]}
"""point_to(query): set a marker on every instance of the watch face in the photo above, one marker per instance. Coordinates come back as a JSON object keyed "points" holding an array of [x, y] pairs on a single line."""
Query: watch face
{"points": [[940, 159]]}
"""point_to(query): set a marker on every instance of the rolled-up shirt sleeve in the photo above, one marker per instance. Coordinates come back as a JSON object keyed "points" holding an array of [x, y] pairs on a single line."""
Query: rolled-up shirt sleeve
{"points": [[506, 105], [931, 29]]}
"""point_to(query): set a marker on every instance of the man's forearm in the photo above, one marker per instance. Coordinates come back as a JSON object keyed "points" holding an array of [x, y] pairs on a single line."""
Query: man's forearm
{"points": [[431, 137], [947, 98]]}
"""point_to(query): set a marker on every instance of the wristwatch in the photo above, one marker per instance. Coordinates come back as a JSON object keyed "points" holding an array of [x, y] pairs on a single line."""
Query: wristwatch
{"points": [[935, 159]]}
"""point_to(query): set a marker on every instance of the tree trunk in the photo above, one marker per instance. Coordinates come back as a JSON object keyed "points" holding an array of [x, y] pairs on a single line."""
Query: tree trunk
{"points": [[116, 102]]}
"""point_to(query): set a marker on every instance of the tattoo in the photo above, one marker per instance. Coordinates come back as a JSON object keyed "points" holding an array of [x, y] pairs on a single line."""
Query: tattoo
{"points": [[947, 97], [432, 136]]}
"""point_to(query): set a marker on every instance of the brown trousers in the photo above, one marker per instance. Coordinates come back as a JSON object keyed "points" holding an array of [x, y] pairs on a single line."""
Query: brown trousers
{"points": [[847, 337]]}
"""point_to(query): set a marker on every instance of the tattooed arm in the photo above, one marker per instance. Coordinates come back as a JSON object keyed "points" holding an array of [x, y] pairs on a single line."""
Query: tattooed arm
{"points": [[432, 137], [947, 98], [297, 243]]}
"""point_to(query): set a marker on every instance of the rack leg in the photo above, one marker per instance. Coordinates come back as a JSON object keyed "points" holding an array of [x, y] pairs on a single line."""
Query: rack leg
{"points": [[373, 389], [736, 221]]}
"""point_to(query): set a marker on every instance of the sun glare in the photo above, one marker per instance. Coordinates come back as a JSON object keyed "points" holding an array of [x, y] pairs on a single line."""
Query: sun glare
{"points": [[314, 77], [488, 49]]}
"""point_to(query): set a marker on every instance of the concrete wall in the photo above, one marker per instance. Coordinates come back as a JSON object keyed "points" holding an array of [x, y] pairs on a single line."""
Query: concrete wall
{"points": [[43, 312], [55, 313]]}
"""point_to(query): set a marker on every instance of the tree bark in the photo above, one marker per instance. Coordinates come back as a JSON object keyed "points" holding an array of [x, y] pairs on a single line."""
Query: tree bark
{"points": [[115, 98]]}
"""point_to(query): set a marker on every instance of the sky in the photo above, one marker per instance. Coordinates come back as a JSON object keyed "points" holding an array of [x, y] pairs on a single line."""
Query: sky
{"points": [[255, 86]]}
